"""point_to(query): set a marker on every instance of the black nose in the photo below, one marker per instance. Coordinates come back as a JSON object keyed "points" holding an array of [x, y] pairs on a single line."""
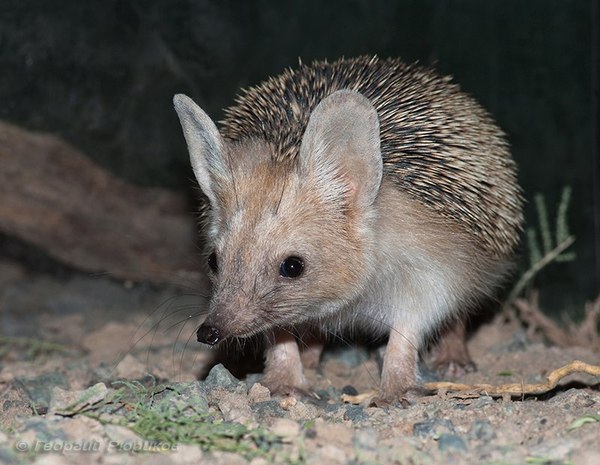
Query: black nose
{"points": [[208, 335]]}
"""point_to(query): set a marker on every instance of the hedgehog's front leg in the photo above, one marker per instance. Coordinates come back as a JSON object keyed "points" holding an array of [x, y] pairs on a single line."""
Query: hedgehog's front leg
{"points": [[283, 366], [399, 371]]}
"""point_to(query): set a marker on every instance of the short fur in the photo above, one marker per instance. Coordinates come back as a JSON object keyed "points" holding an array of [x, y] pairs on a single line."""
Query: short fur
{"points": [[395, 189]]}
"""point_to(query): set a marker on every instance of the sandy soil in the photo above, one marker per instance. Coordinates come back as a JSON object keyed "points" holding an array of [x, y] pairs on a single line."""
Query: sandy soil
{"points": [[108, 330]]}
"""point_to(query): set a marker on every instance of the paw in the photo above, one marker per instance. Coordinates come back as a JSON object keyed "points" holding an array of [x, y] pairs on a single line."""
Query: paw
{"points": [[453, 369]]}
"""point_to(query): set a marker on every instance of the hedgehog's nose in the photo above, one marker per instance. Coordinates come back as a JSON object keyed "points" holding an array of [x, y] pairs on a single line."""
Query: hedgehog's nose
{"points": [[208, 334]]}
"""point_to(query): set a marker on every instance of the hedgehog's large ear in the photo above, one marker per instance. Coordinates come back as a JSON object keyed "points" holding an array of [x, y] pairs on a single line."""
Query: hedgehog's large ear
{"points": [[341, 147], [204, 142]]}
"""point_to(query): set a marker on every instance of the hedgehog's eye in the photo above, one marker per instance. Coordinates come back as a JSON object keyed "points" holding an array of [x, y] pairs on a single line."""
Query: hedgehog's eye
{"points": [[291, 267], [212, 262]]}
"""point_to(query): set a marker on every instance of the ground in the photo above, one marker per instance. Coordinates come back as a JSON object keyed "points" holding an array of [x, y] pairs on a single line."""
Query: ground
{"points": [[93, 370]]}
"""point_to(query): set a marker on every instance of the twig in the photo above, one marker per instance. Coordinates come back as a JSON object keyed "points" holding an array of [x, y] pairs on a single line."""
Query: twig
{"points": [[519, 389]]}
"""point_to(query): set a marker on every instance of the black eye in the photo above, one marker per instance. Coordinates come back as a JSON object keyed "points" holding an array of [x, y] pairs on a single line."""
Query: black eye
{"points": [[291, 267], [212, 262]]}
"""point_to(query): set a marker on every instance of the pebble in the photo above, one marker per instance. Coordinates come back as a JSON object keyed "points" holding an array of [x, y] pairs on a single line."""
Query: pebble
{"points": [[303, 411], [258, 393], [288, 402], [433, 427], [69, 402], [235, 407], [451, 443], [268, 409], [220, 377], [187, 394], [39, 388], [355, 413], [349, 390]]}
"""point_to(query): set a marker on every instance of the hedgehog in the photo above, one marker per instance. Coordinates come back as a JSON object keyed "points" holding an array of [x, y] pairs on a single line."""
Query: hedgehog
{"points": [[364, 194]]}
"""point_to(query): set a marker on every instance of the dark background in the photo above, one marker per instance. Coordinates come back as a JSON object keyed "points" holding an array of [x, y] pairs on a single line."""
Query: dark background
{"points": [[102, 75]]}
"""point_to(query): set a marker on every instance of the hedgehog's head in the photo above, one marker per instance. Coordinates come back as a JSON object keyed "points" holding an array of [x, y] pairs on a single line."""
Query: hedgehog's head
{"points": [[289, 240]]}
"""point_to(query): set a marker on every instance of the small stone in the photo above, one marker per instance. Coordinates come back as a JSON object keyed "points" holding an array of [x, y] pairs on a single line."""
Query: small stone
{"points": [[482, 401], [70, 402], [258, 393], [355, 413], [267, 409], [184, 395], [325, 395], [302, 411], [451, 443], [235, 407], [287, 402], [39, 388], [220, 377], [433, 427], [349, 390]]}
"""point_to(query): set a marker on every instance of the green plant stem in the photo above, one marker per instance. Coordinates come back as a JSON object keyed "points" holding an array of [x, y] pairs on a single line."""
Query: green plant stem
{"points": [[537, 267]]}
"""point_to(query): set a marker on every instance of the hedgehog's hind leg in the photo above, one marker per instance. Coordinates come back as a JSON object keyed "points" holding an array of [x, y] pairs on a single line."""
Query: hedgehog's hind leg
{"points": [[451, 358]]}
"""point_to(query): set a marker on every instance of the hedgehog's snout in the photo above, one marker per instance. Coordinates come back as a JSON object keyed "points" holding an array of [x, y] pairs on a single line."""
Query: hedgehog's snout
{"points": [[208, 334]]}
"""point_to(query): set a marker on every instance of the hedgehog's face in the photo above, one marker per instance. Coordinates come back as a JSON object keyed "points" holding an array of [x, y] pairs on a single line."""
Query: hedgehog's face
{"points": [[288, 240]]}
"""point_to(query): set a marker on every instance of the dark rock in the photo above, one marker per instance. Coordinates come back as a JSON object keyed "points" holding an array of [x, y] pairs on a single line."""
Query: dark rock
{"points": [[349, 390], [355, 413], [451, 443], [220, 377], [180, 396], [38, 389], [268, 409], [433, 427]]}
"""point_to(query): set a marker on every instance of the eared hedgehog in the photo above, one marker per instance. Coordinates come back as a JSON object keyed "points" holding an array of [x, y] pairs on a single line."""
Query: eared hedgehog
{"points": [[363, 193]]}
